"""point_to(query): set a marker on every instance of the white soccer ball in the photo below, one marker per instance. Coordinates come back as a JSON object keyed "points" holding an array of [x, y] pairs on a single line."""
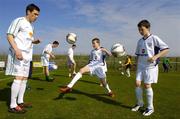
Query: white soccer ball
{"points": [[54, 67], [117, 50], [71, 38], [120, 62]]}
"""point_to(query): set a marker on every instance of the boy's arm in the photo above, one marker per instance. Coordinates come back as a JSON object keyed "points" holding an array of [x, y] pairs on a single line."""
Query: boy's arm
{"points": [[106, 51], [126, 63], [50, 53], [164, 49], [160, 54], [90, 57], [13, 30], [18, 52]]}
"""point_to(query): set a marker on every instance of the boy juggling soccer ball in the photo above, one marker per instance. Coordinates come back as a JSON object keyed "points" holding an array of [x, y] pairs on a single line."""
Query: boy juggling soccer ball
{"points": [[46, 55], [149, 49], [96, 67], [21, 40], [71, 62]]}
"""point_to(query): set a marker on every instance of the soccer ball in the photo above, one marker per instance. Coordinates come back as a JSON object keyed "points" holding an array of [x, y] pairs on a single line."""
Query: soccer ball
{"points": [[117, 50], [71, 38], [54, 67], [120, 62]]}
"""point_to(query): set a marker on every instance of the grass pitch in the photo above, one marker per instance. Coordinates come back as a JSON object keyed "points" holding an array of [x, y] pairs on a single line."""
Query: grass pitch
{"points": [[89, 100]]}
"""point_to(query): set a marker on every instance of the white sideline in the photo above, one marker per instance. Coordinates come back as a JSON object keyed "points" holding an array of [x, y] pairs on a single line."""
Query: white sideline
{"points": [[11, 77]]}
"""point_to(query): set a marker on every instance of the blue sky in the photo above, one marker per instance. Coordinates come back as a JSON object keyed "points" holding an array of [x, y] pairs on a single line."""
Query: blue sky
{"points": [[111, 20]]}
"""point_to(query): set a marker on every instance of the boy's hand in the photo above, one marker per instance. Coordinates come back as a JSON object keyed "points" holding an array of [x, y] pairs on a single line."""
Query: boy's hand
{"points": [[37, 41], [18, 54], [53, 56], [152, 59], [103, 49]]}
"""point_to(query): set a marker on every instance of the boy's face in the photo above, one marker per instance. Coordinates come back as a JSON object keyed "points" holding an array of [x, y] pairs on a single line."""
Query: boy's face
{"points": [[143, 31], [33, 15], [55, 45], [95, 44]]}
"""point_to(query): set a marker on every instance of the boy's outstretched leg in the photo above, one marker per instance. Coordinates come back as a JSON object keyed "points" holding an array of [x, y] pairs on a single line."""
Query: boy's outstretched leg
{"points": [[68, 88]]}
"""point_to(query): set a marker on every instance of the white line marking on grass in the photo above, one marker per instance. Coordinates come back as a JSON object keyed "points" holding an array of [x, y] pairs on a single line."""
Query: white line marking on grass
{"points": [[11, 77]]}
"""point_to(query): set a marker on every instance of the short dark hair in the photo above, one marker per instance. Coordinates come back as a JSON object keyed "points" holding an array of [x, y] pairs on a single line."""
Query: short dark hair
{"points": [[74, 45], [32, 7], [144, 23], [129, 56], [56, 42], [96, 39]]}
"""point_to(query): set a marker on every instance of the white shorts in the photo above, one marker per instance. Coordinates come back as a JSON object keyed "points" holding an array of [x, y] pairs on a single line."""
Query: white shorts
{"points": [[17, 67], [98, 69], [70, 62], [147, 75], [45, 61]]}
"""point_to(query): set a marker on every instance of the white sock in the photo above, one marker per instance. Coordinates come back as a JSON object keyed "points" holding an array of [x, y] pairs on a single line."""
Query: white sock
{"points": [[107, 87], [139, 94], [128, 72], [22, 91], [74, 80], [14, 92], [149, 94]]}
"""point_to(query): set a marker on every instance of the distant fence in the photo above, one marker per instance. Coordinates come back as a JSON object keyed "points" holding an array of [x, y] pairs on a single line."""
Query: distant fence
{"points": [[112, 62]]}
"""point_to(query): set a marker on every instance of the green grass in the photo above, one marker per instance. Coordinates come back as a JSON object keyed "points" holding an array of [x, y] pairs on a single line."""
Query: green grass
{"points": [[88, 100]]}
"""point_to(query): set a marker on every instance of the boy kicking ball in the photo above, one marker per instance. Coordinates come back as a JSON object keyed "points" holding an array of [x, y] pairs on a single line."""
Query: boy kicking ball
{"points": [[96, 67], [149, 49], [46, 55]]}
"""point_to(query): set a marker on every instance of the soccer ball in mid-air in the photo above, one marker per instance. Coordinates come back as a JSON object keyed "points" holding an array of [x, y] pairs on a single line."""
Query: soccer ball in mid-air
{"points": [[117, 50], [71, 38], [53, 67]]}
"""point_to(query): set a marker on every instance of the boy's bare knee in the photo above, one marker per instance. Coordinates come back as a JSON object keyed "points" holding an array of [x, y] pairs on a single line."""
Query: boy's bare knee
{"points": [[81, 70], [138, 83], [147, 86]]}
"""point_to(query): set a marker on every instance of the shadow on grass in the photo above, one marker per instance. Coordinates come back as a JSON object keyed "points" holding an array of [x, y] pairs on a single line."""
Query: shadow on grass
{"points": [[37, 78], [60, 75], [98, 97], [5, 95], [90, 82], [40, 79], [62, 96], [40, 88], [9, 84]]}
